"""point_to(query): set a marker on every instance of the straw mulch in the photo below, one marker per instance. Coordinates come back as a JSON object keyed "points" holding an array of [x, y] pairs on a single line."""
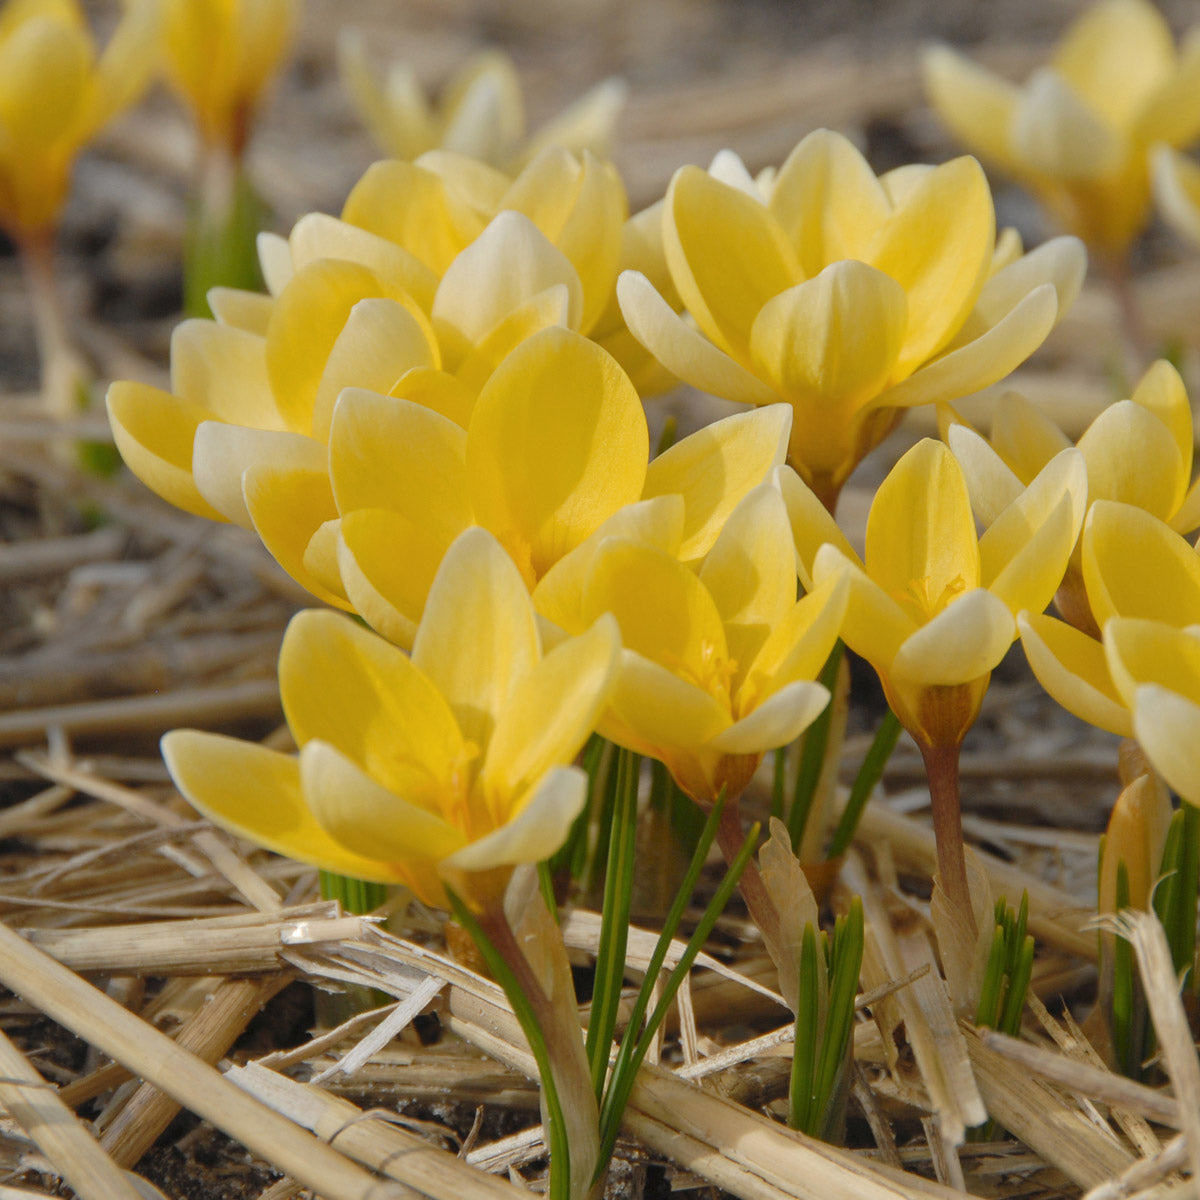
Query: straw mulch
{"points": [[185, 965]]}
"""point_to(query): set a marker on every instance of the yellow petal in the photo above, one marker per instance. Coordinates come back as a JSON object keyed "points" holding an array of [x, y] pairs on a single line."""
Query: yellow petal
{"points": [[750, 572], [1135, 566], [1172, 113], [1140, 652], [44, 67], [287, 505], [436, 390], [249, 311], [318, 235], [557, 443], [921, 546], [390, 453], [367, 817], [684, 352], [727, 255], [580, 205], [559, 594], [1161, 391], [1024, 553], [874, 626], [223, 453], [412, 207], [124, 68], [1058, 134], [255, 793], [715, 467], [962, 642], [990, 481], [780, 719], [321, 558], [387, 564], [274, 261], [535, 831], [1177, 189], [347, 686], [812, 526], [1071, 666], [833, 340], [551, 712], [1132, 457], [586, 123], [664, 611], [154, 431], [224, 369], [976, 105], [478, 637], [508, 264], [1115, 56], [380, 341], [482, 106], [1025, 437], [827, 201], [941, 276], [661, 711], [1167, 726]]}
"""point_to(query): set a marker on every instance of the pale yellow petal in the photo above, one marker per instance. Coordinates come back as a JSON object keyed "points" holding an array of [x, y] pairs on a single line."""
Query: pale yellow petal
{"points": [[386, 452], [557, 443], [255, 793], [44, 68], [685, 352], [274, 261], [874, 625], [827, 201], [1147, 651], [812, 526], [1177, 189], [249, 311], [1167, 726], [977, 106], [1136, 566], [478, 637], [365, 816], [965, 640], [321, 558], [223, 453], [387, 565], [779, 720], [833, 340], [551, 712], [727, 256], [663, 712], [1172, 113], [715, 467], [1132, 457], [1057, 134], [535, 831], [990, 481], [436, 390], [921, 545], [1072, 668], [586, 123], [1161, 391], [224, 369], [1025, 437]]}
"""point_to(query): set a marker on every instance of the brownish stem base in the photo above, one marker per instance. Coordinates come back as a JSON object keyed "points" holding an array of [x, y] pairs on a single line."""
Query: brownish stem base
{"points": [[730, 836], [941, 766]]}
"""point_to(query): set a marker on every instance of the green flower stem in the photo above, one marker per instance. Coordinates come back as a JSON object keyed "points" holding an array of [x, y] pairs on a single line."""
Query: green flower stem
{"points": [[555, 1038], [220, 245], [941, 766]]}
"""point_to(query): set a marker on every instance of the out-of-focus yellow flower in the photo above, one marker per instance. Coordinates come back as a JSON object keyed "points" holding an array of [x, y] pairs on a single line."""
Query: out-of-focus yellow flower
{"points": [[932, 605], [1155, 668], [1177, 189], [718, 666], [480, 112], [848, 296], [1078, 133], [55, 93], [1138, 451], [1134, 566], [449, 766], [220, 55]]}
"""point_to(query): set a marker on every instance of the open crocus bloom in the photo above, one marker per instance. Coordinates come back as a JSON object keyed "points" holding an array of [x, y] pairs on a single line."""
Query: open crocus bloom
{"points": [[1134, 566], [718, 665], [480, 112], [1078, 133], [932, 605], [220, 57], [449, 766], [55, 94], [1177, 189], [1155, 668], [850, 297], [1138, 451]]}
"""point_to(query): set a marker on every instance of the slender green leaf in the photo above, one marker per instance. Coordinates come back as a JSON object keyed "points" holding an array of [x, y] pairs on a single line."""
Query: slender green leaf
{"points": [[870, 773]]}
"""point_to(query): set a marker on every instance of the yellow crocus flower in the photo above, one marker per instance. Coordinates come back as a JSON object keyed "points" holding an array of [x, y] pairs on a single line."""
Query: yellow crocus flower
{"points": [[1177, 189], [55, 93], [932, 604], [1077, 134], [480, 112], [850, 297], [220, 55], [1137, 451], [718, 665], [1135, 567], [449, 766]]}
